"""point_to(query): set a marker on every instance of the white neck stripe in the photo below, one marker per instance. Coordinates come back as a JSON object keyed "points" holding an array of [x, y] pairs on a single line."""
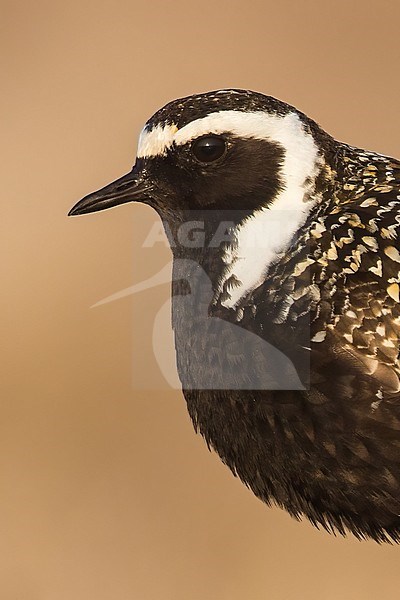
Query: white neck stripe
{"points": [[268, 232]]}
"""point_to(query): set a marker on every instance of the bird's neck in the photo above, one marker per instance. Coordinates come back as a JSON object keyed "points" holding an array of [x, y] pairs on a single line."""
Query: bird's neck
{"points": [[202, 237], [236, 249]]}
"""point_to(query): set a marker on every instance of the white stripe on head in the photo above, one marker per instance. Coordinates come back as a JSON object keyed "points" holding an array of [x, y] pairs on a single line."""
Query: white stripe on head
{"points": [[156, 141], [268, 232], [258, 125]]}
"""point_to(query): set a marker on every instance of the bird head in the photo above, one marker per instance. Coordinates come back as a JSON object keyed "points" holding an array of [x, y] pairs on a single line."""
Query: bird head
{"points": [[229, 149], [231, 155]]}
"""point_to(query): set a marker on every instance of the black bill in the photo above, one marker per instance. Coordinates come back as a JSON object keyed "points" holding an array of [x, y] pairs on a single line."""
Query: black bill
{"points": [[129, 188]]}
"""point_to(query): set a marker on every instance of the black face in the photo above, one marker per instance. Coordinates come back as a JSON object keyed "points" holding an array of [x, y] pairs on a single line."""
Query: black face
{"points": [[215, 172], [219, 173]]}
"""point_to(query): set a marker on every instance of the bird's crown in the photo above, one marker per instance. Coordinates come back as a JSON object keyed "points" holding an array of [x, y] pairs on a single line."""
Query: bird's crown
{"points": [[242, 113]]}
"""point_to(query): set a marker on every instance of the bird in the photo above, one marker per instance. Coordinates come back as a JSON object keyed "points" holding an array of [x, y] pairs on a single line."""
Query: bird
{"points": [[285, 300]]}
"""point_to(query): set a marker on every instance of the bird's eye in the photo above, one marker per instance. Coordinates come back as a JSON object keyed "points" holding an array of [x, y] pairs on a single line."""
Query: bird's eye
{"points": [[208, 148]]}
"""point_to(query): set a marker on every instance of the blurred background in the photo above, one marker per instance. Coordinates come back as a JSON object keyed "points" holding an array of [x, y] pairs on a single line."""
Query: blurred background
{"points": [[105, 490]]}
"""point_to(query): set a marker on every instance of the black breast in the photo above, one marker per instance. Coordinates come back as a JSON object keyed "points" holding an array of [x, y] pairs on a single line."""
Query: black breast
{"points": [[329, 447]]}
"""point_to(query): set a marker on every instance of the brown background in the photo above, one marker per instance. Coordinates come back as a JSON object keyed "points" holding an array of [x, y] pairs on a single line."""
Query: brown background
{"points": [[105, 491]]}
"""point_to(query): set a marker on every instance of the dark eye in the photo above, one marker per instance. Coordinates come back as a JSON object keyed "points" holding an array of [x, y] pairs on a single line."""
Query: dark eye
{"points": [[208, 148]]}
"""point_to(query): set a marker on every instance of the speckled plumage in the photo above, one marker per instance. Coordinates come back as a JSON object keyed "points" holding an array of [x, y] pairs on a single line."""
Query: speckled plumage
{"points": [[330, 302], [333, 452]]}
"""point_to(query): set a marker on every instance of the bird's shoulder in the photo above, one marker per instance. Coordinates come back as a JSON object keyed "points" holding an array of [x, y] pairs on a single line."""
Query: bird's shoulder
{"points": [[358, 252], [341, 278]]}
